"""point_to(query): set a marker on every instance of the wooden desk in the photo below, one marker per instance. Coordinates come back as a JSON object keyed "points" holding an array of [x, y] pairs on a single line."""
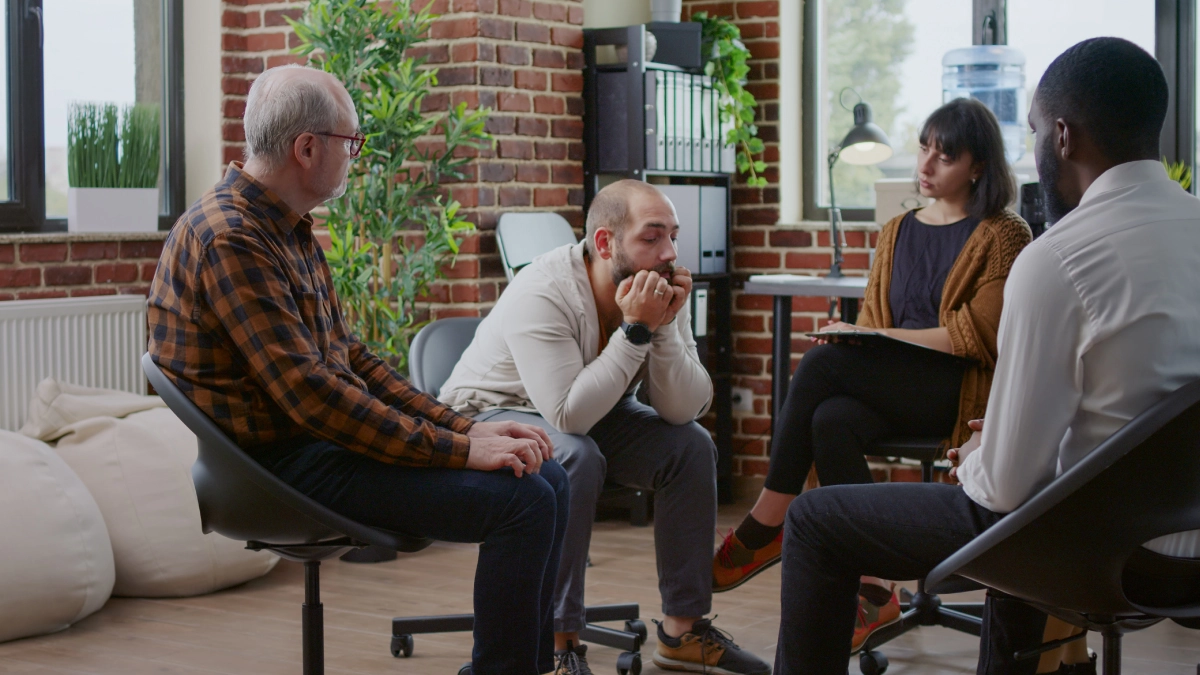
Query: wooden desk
{"points": [[783, 287]]}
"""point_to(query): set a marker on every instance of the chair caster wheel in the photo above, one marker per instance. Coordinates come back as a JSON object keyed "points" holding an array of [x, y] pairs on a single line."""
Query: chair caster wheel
{"points": [[465, 669], [402, 645], [872, 663], [637, 627], [629, 663]]}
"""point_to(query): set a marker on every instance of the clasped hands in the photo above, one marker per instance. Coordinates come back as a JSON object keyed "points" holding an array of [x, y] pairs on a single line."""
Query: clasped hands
{"points": [[496, 445], [957, 455], [653, 299]]}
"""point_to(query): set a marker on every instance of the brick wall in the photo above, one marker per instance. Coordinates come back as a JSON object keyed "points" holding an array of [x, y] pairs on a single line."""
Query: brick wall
{"points": [[520, 58], [33, 267]]}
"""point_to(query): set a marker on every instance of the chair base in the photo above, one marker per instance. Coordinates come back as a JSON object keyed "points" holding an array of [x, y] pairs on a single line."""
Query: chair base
{"points": [[630, 639], [920, 609]]}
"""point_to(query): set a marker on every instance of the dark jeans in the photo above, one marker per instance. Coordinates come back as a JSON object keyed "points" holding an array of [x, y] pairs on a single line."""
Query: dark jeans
{"points": [[844, 398], [834, 535], [519, 523]]}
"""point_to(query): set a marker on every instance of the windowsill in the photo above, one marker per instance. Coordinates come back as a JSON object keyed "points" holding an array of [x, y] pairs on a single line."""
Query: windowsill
{"points": [[53, 237], [822, 225]]}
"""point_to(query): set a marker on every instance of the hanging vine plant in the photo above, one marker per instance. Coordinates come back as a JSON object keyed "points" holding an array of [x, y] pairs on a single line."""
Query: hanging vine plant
{"points": [[726, 64]]}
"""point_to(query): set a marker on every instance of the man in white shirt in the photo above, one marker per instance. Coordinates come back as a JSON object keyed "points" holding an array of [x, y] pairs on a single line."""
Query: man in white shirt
{"points": [[570, 340], [1099, 323]]}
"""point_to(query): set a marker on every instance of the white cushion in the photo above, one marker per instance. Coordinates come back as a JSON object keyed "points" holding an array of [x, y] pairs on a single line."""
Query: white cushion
{"points": [[57, 564], [136, 460]]}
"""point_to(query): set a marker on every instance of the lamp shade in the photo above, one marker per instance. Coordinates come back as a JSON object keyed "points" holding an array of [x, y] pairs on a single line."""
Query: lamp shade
{"points": [[865, 143]]}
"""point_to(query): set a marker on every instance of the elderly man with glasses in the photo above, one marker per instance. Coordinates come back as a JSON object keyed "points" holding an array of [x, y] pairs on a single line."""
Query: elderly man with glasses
{"points": [[244, 320]]}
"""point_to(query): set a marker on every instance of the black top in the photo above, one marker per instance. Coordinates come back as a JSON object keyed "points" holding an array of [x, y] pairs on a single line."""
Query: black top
{"points": [[921, 261]]}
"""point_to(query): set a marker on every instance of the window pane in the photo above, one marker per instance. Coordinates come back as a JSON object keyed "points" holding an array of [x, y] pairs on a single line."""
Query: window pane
{"points": [[95, 51], [4, 187], [1043, 30], [890, 53]]}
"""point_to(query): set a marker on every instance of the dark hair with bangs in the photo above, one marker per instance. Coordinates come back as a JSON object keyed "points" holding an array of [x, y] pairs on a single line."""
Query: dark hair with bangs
{"points": [[966, 125]]}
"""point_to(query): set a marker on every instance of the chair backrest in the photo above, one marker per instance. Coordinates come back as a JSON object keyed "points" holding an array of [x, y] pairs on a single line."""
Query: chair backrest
{"points": [[521, 237], [1068, 546], [435, 350], [242, 500]]}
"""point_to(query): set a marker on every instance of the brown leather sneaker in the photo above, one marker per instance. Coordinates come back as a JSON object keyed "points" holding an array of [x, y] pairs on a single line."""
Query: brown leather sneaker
{"points": [[734, 564], [706, 649]]}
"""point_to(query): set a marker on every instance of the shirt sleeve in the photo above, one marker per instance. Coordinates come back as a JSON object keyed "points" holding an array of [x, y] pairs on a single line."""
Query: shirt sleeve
{"points": [[390, 387], [244, 287], [1037, 387], [680, 388]]}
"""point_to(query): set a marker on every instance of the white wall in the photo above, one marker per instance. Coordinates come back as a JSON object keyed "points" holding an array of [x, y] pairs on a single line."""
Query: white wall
{"points": [[791, 187], [202, 95], [611, 13]]}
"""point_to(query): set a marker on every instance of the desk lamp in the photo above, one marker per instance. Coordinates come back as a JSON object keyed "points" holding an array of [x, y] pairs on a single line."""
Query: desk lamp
{"points": [[864, 144]]}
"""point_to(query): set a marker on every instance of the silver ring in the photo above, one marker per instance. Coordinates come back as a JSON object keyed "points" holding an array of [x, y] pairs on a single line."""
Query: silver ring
{"points": [[658, 292]]}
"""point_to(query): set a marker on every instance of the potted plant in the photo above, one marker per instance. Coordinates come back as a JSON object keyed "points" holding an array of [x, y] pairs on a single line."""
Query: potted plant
{"points": [[725, 62], [112, 168], [394, 230]]}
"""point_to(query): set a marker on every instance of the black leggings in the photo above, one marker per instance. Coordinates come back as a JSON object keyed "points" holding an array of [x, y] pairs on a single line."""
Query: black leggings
{"points": [[844, 398]]}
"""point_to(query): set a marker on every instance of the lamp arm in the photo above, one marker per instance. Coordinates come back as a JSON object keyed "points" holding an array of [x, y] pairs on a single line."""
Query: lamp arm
{"points": [[835, 215]]}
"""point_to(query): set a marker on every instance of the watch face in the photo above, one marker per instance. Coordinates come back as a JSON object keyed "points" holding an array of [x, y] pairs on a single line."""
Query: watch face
{"points": [[638, 333]]}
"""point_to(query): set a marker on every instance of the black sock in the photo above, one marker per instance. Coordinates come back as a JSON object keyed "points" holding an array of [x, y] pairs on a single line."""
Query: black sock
{"points": [[754, 535], [875, 594]]}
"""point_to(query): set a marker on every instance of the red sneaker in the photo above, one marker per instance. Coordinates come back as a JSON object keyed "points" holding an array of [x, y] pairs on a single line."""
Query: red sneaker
{"points": [[871, 618], [734, 564]]}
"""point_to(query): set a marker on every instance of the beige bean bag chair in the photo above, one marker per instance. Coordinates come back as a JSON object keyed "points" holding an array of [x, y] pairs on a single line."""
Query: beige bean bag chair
{"points": [[57, 564], [136, 458]]}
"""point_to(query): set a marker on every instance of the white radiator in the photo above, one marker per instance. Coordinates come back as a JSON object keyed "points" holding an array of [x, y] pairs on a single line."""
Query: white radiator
{"points": [[93, 341]]}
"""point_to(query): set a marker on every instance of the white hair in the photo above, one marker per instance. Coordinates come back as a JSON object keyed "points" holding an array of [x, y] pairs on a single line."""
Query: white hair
{"points": [[276, 113]]}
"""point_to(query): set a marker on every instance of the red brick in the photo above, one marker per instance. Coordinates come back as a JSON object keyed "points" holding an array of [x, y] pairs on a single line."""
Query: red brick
{"points": [[757, 216], [236, 19], [756, 426], [746, 10], [120, 273], [515, 102], [514, 196], [275, 17], [550, 12], [464, 293], [495, 172], [567, 36], [89, 292], [516, 149], [856, 261], [446, 313], [520, 8], [286, 60], [236, 86], [549, 58], [432, 53], [754, 467], [236, 64], [7, 296], [746, 301], [747, 323], [512, 55], [499, 29], [791, 238], [43, 253], [533, 173], [234, 108], [141, 249], [747, 237], [743, 260], [533, 32], [808, 261], [550, 150], [232, 154], [449, 29], [575, 15], [567, 128], [548, 105], [768, 49], [233, 131], [438, 292], [748, 345], [568, 174], [16, 278], [550, 197], [68, 275], [149, 268], [262, 42], [491, 76], [532, 126], [461, 269], [435, 102], [571, 81], [531, 79], [41, 295], [450, 77], [232, 42], [8, 253], [94, 250], [463, 52]]}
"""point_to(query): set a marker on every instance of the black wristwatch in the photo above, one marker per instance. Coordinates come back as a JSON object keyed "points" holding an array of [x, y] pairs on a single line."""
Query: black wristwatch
{"points": [[637, 333]]}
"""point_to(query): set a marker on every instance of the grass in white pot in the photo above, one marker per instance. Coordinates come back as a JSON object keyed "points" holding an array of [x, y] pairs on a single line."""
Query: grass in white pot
{"points": [[112, 167]]}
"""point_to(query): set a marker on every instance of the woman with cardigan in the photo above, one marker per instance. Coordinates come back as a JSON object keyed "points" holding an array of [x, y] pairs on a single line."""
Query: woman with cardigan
{"points": [[938, 280]]}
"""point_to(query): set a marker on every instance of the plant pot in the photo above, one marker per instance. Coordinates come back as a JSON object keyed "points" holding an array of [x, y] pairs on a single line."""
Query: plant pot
{"points": [[666, 10], [112, 209]]}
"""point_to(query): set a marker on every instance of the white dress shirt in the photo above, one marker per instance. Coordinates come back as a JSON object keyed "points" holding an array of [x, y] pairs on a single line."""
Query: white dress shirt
{"points": [[1100, 322]]}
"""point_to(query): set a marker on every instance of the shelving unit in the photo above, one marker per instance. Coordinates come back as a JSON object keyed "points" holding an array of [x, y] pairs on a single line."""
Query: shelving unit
{"points": [[659, 123]]}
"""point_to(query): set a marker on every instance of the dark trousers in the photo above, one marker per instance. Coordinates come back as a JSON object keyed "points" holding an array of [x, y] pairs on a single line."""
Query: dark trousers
{"points": [[844, 398], [519, 523], [834, 535]]}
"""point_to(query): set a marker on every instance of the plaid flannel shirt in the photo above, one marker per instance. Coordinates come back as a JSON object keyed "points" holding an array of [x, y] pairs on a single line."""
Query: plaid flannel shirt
{"points": [[244, 320]]}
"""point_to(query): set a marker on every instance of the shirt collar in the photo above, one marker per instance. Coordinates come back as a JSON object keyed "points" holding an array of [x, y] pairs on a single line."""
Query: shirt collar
{"points": [[282, 216], [1124, 175]]}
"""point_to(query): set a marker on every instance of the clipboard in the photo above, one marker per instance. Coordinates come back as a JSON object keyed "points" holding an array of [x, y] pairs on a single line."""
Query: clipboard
{"points": [[871, 338]]}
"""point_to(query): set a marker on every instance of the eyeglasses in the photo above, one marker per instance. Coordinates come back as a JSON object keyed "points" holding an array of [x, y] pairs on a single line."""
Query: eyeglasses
{"points": [[356, 141]]}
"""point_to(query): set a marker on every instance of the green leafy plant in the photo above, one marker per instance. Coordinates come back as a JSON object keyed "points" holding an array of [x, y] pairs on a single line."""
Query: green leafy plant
{"points": [[721, 42], [1179, 172], [110, 150], [393, 232]]}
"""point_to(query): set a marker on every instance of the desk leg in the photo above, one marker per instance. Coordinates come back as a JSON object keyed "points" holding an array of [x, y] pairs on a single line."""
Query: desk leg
{"points": [[850, 310], [781, 354]]}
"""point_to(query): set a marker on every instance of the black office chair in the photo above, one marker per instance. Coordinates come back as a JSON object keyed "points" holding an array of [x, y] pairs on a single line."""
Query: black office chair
{"points": [[1075, 548], [431, 358], [925, 607]]}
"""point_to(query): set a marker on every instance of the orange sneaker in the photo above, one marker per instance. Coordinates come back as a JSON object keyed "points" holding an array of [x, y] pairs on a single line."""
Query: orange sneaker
{"points": [[734, 564], [871, 618]]}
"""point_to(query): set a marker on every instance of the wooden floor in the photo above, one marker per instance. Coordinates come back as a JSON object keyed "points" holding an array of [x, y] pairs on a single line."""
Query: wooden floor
{"points": [[255, 628]]}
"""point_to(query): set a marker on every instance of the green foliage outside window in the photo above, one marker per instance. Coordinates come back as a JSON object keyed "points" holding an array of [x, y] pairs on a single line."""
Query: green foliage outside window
{"points": [[393, 231]]}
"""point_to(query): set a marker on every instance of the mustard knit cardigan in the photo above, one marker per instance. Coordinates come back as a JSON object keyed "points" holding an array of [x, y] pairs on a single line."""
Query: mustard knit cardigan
{"points": [[971, 302]]}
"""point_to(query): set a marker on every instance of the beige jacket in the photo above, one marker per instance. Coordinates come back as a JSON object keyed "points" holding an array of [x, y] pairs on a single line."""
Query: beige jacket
{"points": [[537, 351]]}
